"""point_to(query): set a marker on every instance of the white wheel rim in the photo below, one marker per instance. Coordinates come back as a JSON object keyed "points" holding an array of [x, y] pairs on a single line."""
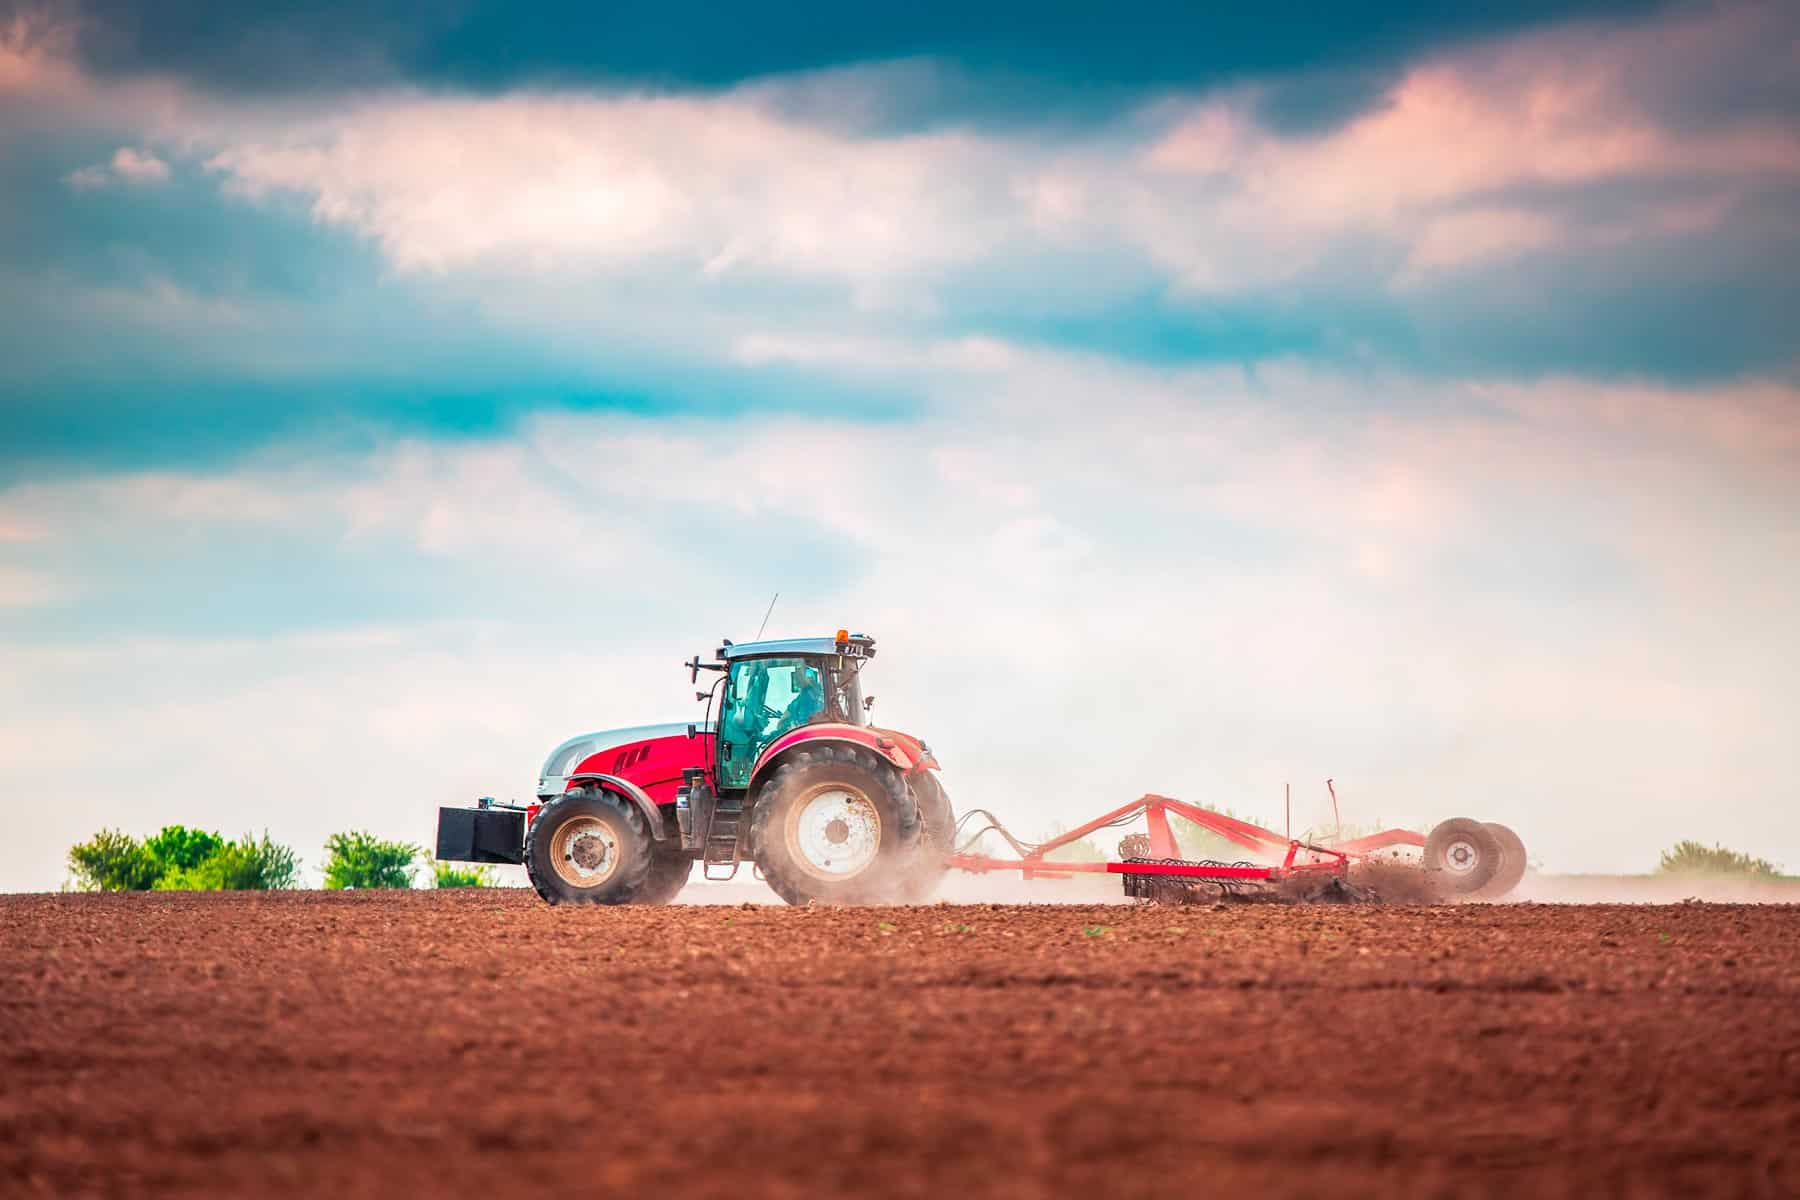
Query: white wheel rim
{"points": [[584, 852], [1461, 857], [834, 832]]}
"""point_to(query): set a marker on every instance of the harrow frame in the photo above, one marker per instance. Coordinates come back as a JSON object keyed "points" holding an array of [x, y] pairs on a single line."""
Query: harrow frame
{"points": [[1281, 856]]}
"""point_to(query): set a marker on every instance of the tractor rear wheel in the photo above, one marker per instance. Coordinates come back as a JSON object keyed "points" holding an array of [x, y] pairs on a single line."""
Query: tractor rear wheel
{"points": [[926, 866], [1463, 854], [589, 846], [834, 825], [1512, 862]]}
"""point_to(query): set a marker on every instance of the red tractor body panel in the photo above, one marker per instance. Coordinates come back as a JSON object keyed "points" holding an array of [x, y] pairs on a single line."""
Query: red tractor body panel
{"points": [[656, 764], [653, 764]]}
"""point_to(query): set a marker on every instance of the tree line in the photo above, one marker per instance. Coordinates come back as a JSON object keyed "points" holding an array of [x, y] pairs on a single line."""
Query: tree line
{"points": [[179, 859]]}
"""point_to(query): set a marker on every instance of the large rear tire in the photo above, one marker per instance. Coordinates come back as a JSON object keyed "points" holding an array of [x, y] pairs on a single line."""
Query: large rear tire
{"points": [[1463, 855], [930, 859], [588, 846], [834, 825], [1512, 862]]}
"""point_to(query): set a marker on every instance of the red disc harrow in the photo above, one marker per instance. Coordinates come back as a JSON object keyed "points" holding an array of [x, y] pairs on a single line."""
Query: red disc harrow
{"points": [[1152, 864]]}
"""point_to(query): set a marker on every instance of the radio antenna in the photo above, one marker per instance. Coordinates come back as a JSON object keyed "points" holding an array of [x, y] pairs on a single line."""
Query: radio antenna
{"points": [[765, 624]]}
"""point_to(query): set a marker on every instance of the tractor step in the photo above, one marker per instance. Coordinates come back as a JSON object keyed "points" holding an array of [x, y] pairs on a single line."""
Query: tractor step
{"points": [[721, 848]]}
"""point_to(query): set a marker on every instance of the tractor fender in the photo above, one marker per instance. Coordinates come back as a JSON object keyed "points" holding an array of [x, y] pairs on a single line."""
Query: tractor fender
{"points": [[629, 790], [916, 749], [904, 754]]}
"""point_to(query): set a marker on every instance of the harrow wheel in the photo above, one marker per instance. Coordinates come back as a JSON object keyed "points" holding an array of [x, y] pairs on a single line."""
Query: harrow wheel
{"points": [[1463, 854], [1512, 862], [588, 846], [834, 825]]}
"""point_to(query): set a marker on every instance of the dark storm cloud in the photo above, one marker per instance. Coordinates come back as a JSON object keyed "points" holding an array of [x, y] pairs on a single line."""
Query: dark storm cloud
{"points": [[1061, 53]]}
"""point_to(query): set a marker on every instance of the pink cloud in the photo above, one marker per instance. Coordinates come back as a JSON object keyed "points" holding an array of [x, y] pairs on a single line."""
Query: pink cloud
{"points": [[35, 54], [1460, 238], [128, 165], [720, 184], [1558, 108], [20, 588]]}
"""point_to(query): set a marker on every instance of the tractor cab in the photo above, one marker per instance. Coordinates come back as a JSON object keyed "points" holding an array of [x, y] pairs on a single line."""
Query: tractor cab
{"points": [[773, 688]]}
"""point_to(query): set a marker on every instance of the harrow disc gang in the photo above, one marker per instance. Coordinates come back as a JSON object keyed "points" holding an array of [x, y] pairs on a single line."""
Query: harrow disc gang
{"points": [[1194, 882]]}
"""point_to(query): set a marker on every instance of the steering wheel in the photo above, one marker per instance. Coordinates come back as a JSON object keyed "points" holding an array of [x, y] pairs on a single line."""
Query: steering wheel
{"points": [[765, 713]]}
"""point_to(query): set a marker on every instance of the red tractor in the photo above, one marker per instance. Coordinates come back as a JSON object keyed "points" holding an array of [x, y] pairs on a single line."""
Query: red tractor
{"points": [[791, 776]]}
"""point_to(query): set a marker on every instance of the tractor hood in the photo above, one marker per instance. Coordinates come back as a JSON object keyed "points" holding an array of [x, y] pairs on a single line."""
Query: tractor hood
{"points": [[565, 758]]}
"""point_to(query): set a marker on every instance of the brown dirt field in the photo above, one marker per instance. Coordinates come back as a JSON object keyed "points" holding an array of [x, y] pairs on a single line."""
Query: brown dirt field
{"points": [[481, 1044]]}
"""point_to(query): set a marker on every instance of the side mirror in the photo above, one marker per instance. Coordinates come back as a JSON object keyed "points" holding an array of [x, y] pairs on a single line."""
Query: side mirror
{"points": [[868, 703], [695, 666]]}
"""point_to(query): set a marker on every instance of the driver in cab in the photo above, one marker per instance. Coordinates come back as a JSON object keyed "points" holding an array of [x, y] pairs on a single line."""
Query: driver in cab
{"points": [[809, 698]]}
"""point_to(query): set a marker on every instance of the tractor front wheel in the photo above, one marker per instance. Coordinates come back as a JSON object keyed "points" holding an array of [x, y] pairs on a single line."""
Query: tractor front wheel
{"points": [[589, 846], [834, 825], [1463, 854]]}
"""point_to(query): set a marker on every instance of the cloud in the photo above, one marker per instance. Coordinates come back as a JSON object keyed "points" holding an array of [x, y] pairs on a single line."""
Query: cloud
{"points": [[1539, 162], [18, 531], [36, 52], [1462, 238], [139, 166], [20, 588], [1010, 61], [711, 186], [1481, 198], [1535, 120], [128, 166]]}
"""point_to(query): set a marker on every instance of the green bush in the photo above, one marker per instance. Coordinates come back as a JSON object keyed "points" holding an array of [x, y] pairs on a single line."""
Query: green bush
{"points": [[362, 860], [178, 848], [1691, 858], [180, 859], [112, 861], [241, 866], [456, 875]]}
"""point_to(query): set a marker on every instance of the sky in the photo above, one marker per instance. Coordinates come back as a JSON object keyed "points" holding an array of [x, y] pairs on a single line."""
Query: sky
{"points": [[1187, 401]]}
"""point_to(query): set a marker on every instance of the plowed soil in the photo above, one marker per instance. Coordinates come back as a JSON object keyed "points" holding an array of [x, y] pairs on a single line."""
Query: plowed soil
{"points": [[481, 1044]]}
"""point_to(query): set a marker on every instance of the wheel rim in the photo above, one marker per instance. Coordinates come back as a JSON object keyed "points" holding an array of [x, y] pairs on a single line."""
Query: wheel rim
{"points": [[833, 831], [1461, 857], [584, 852]]}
